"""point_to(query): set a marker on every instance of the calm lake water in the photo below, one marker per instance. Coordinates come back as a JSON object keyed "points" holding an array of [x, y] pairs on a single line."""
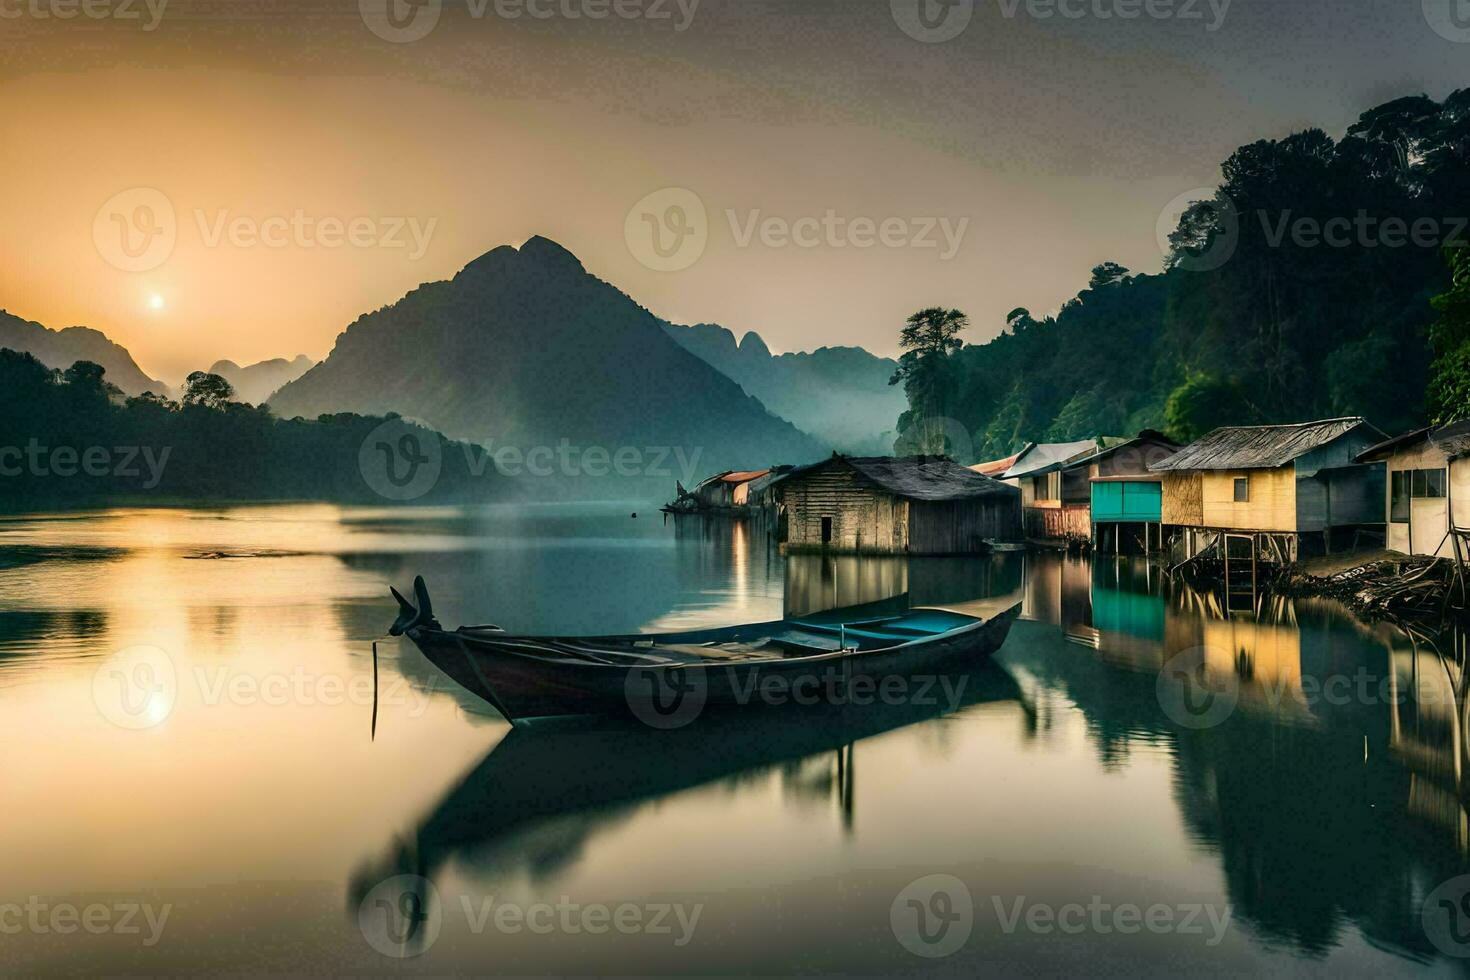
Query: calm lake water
{"points": [[1139, 782]]}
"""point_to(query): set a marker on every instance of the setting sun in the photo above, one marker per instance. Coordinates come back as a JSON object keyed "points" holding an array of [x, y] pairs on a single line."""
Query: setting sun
{"points": [[155, 302]]}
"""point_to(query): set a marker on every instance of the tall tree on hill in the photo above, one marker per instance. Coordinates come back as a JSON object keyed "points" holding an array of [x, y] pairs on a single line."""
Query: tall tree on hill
{"points": [[1106, 274], [1449, 381], [928, 340], [209, 390]]}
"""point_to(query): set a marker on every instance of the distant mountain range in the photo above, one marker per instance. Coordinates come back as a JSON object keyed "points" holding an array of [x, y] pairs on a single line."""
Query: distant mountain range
{"points": [[255, 383], [62, 348], [525, 351], [841, 395]]}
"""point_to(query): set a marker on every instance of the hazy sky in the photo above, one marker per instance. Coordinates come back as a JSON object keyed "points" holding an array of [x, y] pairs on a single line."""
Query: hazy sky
{"points": [[243, 179]]}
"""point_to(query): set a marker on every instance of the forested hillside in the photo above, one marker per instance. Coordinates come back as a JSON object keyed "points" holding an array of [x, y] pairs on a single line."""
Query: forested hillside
{"points": [[71, 437], [1304, 290]]}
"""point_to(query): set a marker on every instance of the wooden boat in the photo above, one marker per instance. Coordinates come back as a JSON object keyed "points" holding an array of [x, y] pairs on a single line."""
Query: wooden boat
{"points": [[666, 680]]}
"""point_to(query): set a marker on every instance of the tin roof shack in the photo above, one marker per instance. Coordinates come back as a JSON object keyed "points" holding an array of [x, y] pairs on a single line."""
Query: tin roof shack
{"points": [[1125, 497], [916, 505], [1053, 499], [1284, 489], [1428, 488]]}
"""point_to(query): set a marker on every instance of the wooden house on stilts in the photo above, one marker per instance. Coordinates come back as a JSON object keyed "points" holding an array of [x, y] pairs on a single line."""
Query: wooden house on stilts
{"points": [[1272, 492]]}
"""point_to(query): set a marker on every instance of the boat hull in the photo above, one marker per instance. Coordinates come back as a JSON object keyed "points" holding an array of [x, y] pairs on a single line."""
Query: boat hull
{"points": [[527, 689]]}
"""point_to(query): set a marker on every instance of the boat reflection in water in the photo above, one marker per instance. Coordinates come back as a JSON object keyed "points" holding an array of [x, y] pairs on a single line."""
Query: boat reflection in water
{"points": [[531, 806]]}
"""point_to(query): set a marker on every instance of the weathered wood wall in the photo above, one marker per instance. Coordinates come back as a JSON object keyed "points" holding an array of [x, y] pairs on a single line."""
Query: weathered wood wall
{"points": [[864, 518], [959, 527], [1066, 523], [1132, 460]]}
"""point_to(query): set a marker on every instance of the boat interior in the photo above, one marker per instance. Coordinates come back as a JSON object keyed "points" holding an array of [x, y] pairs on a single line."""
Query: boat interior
{"points": [[792, 638]]}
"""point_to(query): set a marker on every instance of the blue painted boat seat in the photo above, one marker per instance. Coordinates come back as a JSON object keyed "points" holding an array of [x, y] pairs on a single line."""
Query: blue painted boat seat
{"points": [[910, 626]]}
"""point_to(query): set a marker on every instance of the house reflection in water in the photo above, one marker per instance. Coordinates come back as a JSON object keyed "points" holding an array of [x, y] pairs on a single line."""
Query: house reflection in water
{"points": [[815, 582], [1428, 723], [1334, 794]]}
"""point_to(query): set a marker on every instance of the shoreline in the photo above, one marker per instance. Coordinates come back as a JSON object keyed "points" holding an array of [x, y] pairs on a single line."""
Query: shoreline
{"points": [[1381, 583]]}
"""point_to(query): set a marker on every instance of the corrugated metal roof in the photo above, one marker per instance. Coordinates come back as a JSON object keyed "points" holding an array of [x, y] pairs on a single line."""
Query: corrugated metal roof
{"points": [[920, 477], [1258, 447], [1146, 436], [1040, 455]]}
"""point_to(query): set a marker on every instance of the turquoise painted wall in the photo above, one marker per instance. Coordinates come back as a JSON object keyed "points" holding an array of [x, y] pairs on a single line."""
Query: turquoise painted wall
{"points": [[1127, 501]]}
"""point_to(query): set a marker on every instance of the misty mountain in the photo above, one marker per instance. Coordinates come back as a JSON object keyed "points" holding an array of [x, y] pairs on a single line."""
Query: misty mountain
{"points": [[60, 349], [257, 382], [839, 394], [525, 352]]}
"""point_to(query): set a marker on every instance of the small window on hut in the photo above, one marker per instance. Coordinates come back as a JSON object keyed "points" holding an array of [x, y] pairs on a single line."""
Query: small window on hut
{"points": [[1398, 507], [1242, 489], [826, 530], [1434, 483], [1438, 482]]}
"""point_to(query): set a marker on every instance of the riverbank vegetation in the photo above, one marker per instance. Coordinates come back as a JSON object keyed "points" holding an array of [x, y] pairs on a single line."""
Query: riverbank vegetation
{"points": [[69, 438]]}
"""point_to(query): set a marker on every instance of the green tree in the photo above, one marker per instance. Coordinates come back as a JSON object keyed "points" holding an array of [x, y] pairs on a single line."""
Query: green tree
{"points": [[1019, 320], [928, 340], [208, 390], [1106, 274], [1205, 402], [1449, 337], [86, 380]]}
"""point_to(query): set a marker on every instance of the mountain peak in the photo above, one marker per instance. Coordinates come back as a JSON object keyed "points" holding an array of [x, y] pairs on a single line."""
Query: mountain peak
{"points": [[543, 251], [526, 348], [536, 253], [63, 348], [751, 345]]}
